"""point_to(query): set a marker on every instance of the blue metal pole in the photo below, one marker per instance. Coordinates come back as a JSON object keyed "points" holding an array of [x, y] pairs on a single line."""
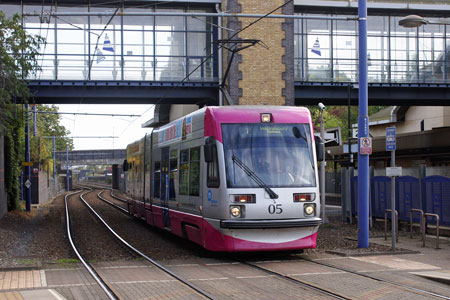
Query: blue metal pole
{"points": [[363, 131], [34, 120], [27, 159], [54, 163], [67, 168]]}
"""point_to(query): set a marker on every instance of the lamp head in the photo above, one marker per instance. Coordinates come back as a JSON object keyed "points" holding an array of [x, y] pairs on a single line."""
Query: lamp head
{"points": [[321, 106], [412, 21]]}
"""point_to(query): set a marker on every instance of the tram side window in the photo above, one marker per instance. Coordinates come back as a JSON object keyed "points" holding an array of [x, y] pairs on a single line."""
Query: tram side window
{"points": [[213, 179], [194, 172], [157, 180], [173, 185], [184, 172]]}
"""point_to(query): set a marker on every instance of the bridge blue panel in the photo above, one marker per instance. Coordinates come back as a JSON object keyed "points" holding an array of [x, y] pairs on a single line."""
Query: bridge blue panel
{"points": [[407, 196], [354, 194], [380, 189], [436, 198]]}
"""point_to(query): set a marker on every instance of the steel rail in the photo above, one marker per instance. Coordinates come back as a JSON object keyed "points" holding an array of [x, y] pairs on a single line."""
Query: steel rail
{"points": [[124, 210], [289, 278], [380, 279], [117, 198], [158, 265], [111, 295]]}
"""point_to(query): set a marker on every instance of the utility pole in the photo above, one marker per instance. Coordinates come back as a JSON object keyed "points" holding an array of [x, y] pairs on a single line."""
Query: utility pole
{"points": [[322, 165], [54, 163], [364, 141], [27, 160], [67, 168]]}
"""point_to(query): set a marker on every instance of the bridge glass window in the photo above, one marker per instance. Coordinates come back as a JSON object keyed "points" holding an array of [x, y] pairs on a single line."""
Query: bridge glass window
{"points": [[395, 54], [184, 172], [47, 57], [138, 44], [153, 47], [157, 180], [194, 172]]}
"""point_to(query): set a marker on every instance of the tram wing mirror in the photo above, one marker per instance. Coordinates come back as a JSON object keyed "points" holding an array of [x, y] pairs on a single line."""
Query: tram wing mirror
{"points": [[125, 165], [208, 149], [320, 148]]}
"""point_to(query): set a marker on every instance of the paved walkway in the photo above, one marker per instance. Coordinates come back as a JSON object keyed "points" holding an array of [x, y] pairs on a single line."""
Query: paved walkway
{"points": [[139, 280]]}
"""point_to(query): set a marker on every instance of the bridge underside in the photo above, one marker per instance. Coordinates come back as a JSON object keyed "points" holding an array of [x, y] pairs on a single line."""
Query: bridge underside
{"points": [[201, 93], [310, 93], [122, 92]]}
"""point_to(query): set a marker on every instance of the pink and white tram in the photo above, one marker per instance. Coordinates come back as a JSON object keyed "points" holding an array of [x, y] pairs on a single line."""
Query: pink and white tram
{"points": [[232, 178]]}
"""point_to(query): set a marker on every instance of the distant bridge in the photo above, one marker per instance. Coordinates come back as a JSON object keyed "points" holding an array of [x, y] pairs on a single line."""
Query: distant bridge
{"points": [[93, 157]]}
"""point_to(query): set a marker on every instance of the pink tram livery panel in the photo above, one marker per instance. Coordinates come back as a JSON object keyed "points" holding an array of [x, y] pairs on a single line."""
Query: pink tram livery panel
{"points": [[232, 178]]}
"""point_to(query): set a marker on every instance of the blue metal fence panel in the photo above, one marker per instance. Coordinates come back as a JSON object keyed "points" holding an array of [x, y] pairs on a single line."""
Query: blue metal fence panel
{"points": [[436, 198], [407, 196], [354, 194], [380, 195]]}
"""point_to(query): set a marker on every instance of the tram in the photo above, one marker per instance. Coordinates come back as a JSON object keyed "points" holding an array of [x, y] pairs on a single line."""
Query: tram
{"points": [[231, 178]]}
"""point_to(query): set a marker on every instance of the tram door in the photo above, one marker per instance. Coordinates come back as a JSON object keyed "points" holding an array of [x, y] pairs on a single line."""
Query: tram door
{"points": [[165, 186]]}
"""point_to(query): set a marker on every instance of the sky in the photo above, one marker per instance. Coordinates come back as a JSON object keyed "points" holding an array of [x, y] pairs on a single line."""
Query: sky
{"points": [[125, 129]]}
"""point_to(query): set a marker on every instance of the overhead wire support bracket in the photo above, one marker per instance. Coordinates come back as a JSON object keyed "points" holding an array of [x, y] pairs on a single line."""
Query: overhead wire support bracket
{"points": [[234, 49]]}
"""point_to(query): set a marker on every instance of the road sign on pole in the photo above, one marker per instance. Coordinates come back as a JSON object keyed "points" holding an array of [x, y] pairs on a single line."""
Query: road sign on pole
{"points": [[390, 139], [365, 146]]}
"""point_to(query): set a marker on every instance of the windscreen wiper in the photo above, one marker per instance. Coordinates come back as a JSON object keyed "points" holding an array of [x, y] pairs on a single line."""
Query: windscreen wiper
{"points": [[255, 178]]}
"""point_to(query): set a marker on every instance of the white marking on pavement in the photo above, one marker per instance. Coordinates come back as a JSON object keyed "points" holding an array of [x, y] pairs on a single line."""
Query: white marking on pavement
{"points": [[43, 279], [209, 279], [252, 277], [57, 295], [318, 273]]}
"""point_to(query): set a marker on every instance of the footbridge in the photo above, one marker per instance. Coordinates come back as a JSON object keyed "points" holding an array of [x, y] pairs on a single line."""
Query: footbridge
{"points": [[92, 157], [147, 56]]}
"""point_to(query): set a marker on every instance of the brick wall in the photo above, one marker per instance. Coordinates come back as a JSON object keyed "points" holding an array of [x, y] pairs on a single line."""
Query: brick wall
{"points": [[262, 74]]}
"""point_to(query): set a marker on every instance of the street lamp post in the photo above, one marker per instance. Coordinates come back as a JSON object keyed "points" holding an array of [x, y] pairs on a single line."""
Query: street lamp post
{"points": [[363, 131]]}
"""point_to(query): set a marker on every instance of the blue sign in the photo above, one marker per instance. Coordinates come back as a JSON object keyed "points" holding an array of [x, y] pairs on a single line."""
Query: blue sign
{"points": [[390, 139]]}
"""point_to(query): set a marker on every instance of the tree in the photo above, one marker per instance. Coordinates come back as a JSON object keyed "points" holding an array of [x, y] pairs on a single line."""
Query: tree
{"points": [[47, 125], [18, 60], [337, 116]]}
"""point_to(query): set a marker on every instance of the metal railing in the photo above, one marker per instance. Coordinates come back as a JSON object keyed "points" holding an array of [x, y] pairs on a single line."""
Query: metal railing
{"points": [[386, 211], [425, 228]]}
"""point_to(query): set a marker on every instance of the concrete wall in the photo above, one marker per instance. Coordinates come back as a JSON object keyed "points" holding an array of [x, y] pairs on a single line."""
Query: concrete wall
{"points": [[3, 200], [47, 186], [178, 110]]}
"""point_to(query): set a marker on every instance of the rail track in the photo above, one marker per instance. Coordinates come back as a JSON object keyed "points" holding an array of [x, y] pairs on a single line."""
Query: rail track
{"points": [[390, 282], [109, 291], [292, 280], [323, 289], [333, 293]]}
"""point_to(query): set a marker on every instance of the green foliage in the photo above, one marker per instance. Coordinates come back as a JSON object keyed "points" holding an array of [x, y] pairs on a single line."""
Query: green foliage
{"points": [[18, 60], [337, 116], [19, 53], [47, 125]]}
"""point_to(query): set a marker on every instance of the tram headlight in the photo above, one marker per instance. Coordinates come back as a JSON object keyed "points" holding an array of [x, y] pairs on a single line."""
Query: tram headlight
{"points": [[235, 211], [309, 209]]}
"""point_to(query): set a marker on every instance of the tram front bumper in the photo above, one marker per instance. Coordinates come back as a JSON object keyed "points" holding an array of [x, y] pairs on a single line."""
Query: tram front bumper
{"points": [[263, 224]]}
